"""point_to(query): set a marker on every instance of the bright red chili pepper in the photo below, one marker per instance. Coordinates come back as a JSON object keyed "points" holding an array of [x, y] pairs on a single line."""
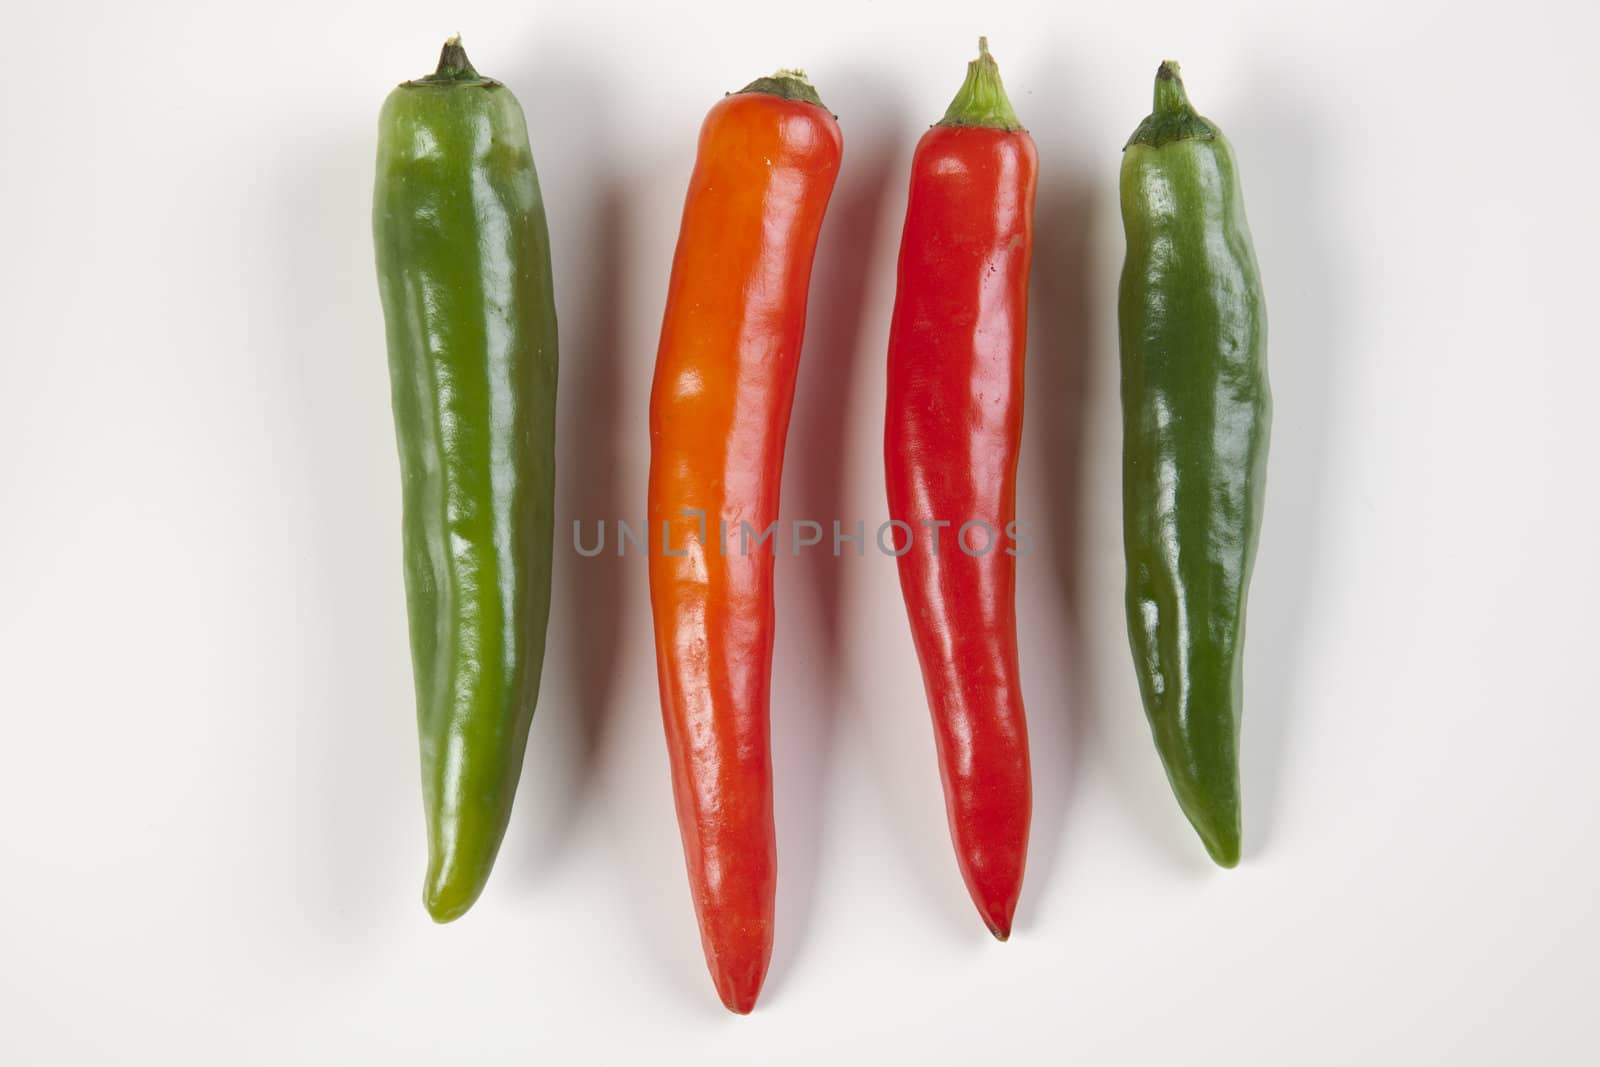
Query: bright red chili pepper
{"points": [[719, 413], [951, 439]]}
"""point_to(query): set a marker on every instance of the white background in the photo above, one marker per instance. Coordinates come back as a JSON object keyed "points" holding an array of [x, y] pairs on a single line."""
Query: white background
{"points": [[211, 837]]}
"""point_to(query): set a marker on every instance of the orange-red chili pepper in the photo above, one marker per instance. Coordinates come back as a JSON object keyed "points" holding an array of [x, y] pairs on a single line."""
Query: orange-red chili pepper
{"points": [[951, 439], [719, 413]]}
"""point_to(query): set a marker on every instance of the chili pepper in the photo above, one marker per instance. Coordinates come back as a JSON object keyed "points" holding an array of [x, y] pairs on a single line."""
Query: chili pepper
{"points": [[719, 413], [951, 438], [1197, 413], [464, 272]]}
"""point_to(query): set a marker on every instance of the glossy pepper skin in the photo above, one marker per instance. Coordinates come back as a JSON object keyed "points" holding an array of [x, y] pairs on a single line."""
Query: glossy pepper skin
{"points": [[464, 272], [719, 414], [951, 440], [1197, 413]]}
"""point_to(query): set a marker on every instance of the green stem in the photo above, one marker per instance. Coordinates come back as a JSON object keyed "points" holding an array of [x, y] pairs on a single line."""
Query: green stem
{"points": [[982, 100], [454, 68], [1173, 117], [1170, 96], [789, 84]]}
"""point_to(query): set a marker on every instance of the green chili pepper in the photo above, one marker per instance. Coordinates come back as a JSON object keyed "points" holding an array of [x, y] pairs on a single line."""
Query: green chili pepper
{"points": [[464, 272], [1196, 416]]}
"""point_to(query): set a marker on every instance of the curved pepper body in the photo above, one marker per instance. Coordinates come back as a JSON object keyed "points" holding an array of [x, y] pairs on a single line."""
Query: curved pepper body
{"points": [[464, 273], [951, 442], [952, 435], [719, 414], [1196, 423]]}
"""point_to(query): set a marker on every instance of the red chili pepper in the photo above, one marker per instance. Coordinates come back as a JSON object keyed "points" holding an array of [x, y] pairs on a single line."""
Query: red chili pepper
{"points": [[719, 413], [951, 439]]}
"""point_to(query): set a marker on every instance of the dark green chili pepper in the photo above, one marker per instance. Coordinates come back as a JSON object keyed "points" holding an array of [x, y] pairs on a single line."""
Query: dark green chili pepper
{"points": [[1196, 414], [464, 272]]}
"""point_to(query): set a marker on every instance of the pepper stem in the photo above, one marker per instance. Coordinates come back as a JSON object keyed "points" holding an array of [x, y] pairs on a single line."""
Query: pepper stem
{"points": [[454, 66], [1171, 98], [1173, 118], [982, 100], [789, 84]]}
